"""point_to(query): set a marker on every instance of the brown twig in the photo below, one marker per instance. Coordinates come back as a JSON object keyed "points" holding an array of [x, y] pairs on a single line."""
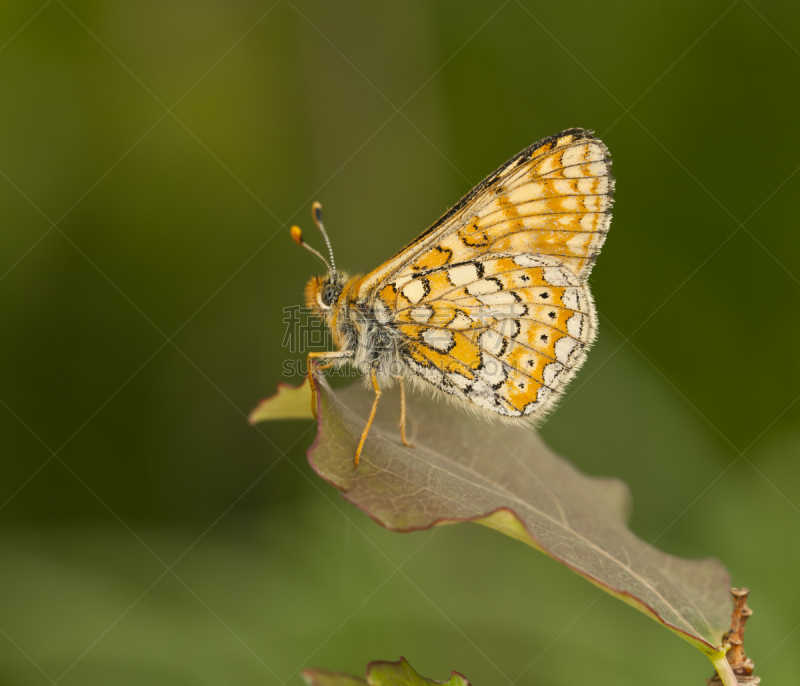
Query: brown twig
{"points": [[741, 665]]}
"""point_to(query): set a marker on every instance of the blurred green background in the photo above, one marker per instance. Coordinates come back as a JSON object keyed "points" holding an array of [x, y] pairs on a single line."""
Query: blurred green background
{"points": [[153, 156]]}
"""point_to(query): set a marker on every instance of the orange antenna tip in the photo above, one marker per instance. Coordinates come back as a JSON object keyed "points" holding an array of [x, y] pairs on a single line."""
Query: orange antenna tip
{"points": [[316, 212], [297, 235]]}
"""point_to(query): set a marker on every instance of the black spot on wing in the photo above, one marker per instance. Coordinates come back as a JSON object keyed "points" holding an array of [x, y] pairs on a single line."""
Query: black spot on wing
{"points": [[503, 348], [426, 287]]}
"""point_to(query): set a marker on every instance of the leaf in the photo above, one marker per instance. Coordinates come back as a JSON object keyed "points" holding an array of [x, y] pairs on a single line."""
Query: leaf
{"points": [[506, 478], [380, 673], [290, 402]]}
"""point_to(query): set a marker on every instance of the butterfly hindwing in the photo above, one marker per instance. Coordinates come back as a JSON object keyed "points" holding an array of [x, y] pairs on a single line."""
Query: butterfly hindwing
{"points": [[502, 332]]}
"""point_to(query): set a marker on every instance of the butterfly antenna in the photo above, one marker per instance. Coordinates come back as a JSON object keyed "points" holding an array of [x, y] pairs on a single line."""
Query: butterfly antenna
{"points": [[316, 211], [297, 237]]}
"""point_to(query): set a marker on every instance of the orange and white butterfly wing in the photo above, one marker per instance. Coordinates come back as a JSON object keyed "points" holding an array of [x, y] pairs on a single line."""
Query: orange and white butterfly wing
{"points": [[504, 332], [551, 198], [492, 301]]}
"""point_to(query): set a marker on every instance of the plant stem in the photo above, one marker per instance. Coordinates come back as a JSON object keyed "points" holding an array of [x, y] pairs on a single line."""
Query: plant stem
{"points": [[724, 670]]}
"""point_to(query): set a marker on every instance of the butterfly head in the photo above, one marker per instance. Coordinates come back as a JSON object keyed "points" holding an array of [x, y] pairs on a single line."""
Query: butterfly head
{"points": [[322, 292]]}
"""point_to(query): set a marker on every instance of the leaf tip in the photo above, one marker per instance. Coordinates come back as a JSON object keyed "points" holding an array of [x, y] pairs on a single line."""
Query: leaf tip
{"points": [[288, 402]]}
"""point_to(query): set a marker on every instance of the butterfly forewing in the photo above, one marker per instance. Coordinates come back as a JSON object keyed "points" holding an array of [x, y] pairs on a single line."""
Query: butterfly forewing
{"points": [[560, 185]]}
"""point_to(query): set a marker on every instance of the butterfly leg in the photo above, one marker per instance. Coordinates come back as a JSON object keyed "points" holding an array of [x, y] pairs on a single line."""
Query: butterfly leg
{"points": [[330, 355], [403, 414], [378, 392]]}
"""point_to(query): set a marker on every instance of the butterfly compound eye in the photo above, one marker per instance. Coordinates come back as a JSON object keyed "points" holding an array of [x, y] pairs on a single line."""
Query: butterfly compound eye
{"points": [[329, 295]]}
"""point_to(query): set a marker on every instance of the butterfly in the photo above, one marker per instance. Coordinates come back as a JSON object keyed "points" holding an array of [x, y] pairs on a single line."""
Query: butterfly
{"points": [[490, 306]]}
